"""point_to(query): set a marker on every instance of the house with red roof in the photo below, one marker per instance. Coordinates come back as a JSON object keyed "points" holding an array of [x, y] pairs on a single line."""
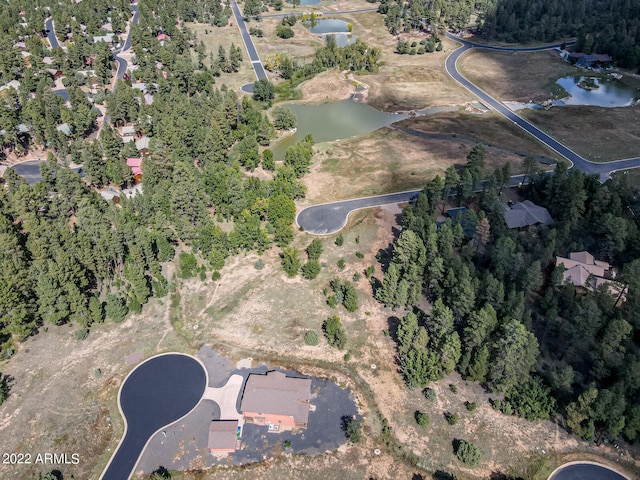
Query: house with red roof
{"points": [[135, 163]]}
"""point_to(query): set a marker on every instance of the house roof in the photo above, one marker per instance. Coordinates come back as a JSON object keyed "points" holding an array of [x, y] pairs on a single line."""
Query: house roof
{"points": [[277, 394], [577, 275], [525, 214], [103, 38], [128, 130], [582, 257], [163, 36], [143, 143], [15, 84], [64, 128], [591, 268], [453, 212], [135, 163], [223, 434]]}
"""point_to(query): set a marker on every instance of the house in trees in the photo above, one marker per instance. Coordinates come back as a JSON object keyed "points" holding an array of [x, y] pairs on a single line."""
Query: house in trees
{"points": [[223, 436], [589, 60], [108, 38], [143, 145], [276, 401], [127, 133], [135, 164], [586, 273], [15, 84], [162, 38], [526, 214]]}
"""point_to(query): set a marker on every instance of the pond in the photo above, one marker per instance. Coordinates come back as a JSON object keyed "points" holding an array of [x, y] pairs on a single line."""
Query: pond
{"points": [[599, 92], [328, 25], [306, 3], [335, 121], [342, 39]]}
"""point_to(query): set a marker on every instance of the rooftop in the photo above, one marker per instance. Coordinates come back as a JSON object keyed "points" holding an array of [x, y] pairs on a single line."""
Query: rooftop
{"points": [[525, 214], [275, 393], [223, 434]]}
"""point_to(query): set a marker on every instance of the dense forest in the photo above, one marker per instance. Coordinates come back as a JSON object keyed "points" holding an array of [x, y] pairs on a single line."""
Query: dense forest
{"points": [[69, 257], [611, 27], [499, 312]]}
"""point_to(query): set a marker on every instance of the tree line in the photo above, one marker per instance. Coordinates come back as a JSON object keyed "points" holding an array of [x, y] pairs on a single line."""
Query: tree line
{"points": [[500, 312]]}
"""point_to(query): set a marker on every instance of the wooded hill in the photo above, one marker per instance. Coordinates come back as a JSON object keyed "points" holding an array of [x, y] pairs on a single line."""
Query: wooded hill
{"points": [[500, 312], [611, 27]]}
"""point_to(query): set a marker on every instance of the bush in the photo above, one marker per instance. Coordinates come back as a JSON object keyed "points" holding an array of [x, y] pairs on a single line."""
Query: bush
{"points": [[259, 264], [311, 338], [452, 418], [115, 308], [453, 388], [429, 394], [188, 265], [81, 333], [413, 51], [471, 406], [341, 264], [339, 240], [332, 301], [311, 269], [256, 32], [290, 261], [439, 47], [360, 255], [357, 276], [414, 44], [467, 453], [369, 271], [334, 332], [346, 357], [268, 163], [215, 276], [422, 419], [314, 250], [352, 429], [284, 32]]}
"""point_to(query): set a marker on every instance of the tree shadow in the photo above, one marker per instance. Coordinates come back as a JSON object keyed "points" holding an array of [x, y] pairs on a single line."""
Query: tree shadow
{"points": [[393, 323], [440, 475], [503, 476], [161, 472]]}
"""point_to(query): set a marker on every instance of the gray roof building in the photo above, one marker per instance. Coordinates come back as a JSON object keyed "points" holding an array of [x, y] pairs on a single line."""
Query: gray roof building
{"points": [[223, 435], [526, 214]]}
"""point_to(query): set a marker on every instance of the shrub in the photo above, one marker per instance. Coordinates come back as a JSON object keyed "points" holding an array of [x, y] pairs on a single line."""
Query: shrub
{"points": [[290, 261], [452, 418], [334, 332], [332, 301], [311, 338], [413, 51], [421, 51], [359, 254], [339, 240], [284, 32], [369, 271], [81, 333], [268, 163], [115, 308], [311, 269], [471, 406], [215, 276], [357, 276], [439, 47], [453, 388], [414, 44], [188, 265], [256, 32], [341, 264], [467, 453], [429, 394], [314, 250], [422, 419], [352, 429], [287, 444], [259, 264]]}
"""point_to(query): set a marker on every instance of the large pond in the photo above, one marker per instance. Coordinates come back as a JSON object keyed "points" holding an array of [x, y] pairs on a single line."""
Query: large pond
{"points": [[335, 121], [328, 25], [601, 92]]}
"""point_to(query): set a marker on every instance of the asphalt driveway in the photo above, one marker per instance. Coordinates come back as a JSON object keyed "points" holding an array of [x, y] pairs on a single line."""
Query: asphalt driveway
{"points": [[155, 394]]}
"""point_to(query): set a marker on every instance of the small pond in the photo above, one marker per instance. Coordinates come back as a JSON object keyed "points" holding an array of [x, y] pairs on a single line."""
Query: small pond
{"points": [[307, 3], [602, 92], [335, 121], [342, 39], [328, 25]]}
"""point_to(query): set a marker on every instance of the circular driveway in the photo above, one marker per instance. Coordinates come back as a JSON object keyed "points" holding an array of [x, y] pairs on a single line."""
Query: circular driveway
{"points": [[585, 471], [155, 394]]}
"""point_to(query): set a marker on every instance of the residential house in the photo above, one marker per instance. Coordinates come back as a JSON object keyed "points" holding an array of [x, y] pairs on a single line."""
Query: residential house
{"points": [[526, 214], [15, 84], [108, 38], [64, 128], [135, 163], [127, 133], [163, 37], [143, 145], [274, 400], [587, 273], [589, 60], [223, 436]]}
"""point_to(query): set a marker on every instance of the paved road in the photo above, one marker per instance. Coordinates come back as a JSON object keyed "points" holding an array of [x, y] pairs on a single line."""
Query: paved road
{"points": [[156, 393], [602, 169], [329, 218], [585, 471], [51, 34], [254, 58]]}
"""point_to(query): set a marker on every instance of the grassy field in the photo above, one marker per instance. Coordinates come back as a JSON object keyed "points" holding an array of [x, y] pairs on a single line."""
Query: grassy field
{"points": [[213, 38], [598, 134], [389, 160]]}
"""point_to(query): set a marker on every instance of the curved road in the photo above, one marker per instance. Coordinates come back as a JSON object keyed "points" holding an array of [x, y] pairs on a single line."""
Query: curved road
{"points": [[51, 35], [585, 471], [157, 393], [602, 169], [327, 218]]}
